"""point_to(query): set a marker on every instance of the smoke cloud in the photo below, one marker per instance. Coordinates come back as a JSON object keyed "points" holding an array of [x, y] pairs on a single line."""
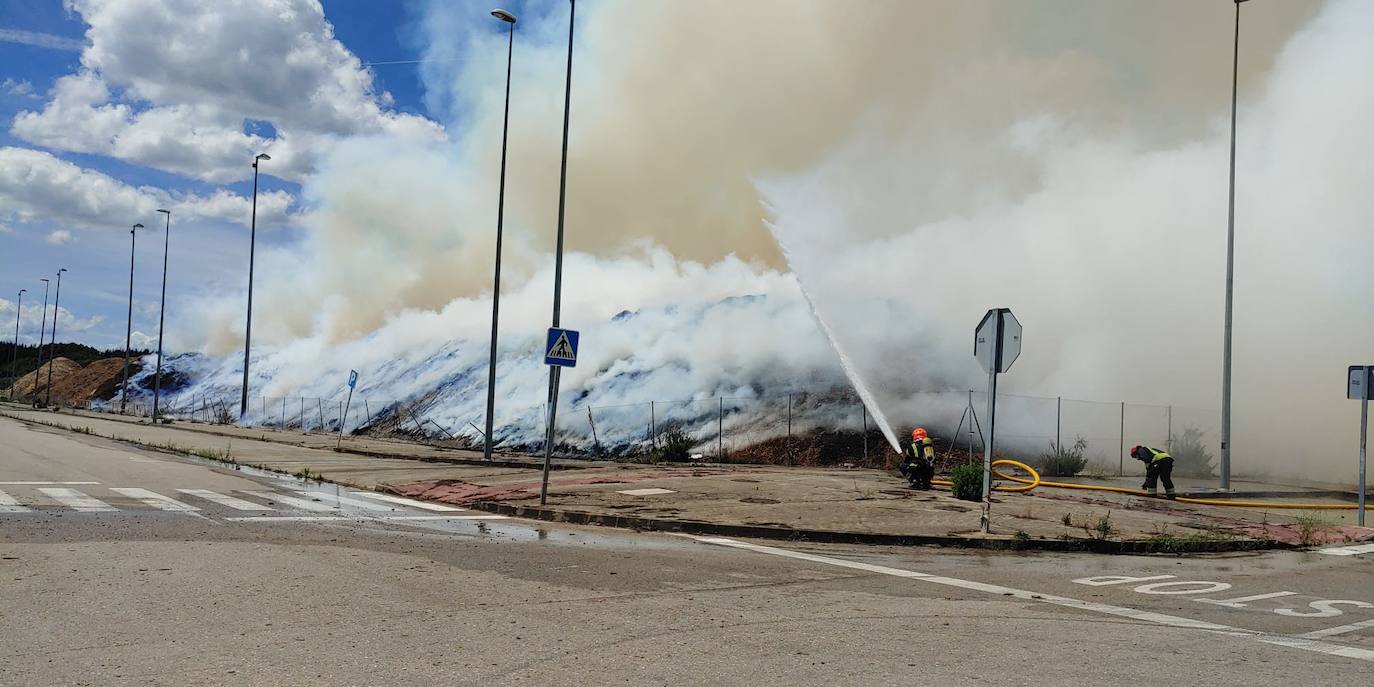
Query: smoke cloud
{"points": [[917, 162]]}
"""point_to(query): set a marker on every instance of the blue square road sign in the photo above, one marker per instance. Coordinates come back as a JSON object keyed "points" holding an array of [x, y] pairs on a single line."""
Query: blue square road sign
{"points": [[560, 348]]}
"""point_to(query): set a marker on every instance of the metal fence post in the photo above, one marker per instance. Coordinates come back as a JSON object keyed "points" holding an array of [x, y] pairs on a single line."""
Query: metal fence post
{"points": [[653, 426], [1058, 422], [368, 411], [1169, 423], [283, 412], [720, 428], [1121, 454], [319, 405], [865, 410]]}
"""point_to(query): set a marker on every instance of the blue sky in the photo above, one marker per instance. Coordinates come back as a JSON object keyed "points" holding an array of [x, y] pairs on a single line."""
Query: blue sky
{"points": [[103, 143]]}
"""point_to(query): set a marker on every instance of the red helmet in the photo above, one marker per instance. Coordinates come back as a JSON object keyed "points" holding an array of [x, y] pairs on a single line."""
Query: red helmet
{"points": [[1135, 448], [919, 433]]}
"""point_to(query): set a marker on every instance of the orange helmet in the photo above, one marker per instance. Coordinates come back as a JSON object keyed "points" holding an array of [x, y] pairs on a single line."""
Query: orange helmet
{"points": [[919, 433]]}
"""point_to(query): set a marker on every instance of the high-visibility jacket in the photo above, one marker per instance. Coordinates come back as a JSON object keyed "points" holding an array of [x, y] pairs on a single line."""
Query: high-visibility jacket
{"points": [[1155, 455], [923, 448]]}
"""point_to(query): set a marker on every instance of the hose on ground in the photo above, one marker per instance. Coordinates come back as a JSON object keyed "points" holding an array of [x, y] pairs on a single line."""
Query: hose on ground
{"points": [[1024, 484]]}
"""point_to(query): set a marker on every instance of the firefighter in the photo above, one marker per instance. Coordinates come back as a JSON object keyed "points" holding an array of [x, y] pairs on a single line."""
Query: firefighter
{"points": [[918, 464], [1159, 466]]}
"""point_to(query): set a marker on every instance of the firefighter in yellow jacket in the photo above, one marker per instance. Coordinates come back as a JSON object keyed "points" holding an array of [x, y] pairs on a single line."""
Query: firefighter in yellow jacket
{"points": [[918, 462], [1159, 466]]}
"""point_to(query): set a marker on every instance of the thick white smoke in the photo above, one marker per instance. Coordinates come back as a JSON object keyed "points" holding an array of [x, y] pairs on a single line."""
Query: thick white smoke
{"points": [[920, 162]]}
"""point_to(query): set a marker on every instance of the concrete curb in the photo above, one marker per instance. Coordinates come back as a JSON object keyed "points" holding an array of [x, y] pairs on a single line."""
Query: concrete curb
{"points": [[870, 538]]}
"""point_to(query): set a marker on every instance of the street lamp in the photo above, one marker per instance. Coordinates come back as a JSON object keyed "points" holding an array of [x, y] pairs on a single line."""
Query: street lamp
{"points": [[129, 330], [1230, 271], [252, 244], [161, 314], [42, 331], [558, 261], [52, 346], [500, 220], [14, 355]]}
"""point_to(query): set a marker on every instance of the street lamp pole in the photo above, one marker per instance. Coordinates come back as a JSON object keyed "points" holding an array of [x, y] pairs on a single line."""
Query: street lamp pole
{"points": [[558, 261], [500, 221], [14, 355], [161, 314], [1230, 271], [252, 246], [52, 348], [42, 331], [129, 329]]}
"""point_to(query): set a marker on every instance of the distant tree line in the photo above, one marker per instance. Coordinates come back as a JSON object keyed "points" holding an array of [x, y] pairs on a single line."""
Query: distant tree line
{"points": [[28, 357]]}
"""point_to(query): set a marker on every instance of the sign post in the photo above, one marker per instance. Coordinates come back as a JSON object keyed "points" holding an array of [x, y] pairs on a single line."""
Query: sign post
{"points": [[352, 382], [996, 345], [560, 351], [1358, 381]]}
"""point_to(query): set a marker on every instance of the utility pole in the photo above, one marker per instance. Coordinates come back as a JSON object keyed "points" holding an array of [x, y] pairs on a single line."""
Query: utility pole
{"points": [[57, 301], [129, 329], [1230, 271]]}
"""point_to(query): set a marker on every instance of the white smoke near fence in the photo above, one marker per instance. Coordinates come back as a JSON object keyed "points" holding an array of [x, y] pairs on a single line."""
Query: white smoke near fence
{"points": [[918, 166]]}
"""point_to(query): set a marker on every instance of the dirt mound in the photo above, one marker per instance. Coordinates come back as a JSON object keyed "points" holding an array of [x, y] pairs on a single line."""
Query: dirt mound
{"points": [[73, 384]]}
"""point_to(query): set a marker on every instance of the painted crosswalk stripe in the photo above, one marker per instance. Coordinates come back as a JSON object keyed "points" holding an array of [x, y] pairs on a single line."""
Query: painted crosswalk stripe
{"points": [[54, 484], [227, 501], [77, 501], [286, 518], [291, 501], [1348, 550], [409, 502], [356, 503], [9, 505], [154, 499], [1333, 631]]}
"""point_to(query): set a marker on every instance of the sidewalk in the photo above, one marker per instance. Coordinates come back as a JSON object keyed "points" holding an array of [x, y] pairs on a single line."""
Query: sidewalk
{"points": [[833, 504]]}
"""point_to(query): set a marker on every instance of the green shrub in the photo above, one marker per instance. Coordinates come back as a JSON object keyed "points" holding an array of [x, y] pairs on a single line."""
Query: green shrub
{"points": [[1061, 462], [674, 446], [1191, 458], [968, 481]]}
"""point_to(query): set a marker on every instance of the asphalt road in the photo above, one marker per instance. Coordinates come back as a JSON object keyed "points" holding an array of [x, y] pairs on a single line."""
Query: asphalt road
{"points": [[120, 566]]}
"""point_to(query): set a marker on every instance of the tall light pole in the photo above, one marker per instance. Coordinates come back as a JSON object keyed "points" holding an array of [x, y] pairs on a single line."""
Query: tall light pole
{"points": [[252, 246], [129, 329], [52, 347], [14, 355], [42, 331], [161, 314], [1230, 271], [558, 261], [500, 220]]}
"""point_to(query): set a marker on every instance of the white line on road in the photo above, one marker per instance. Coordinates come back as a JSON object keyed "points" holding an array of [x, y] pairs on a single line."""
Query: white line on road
{"points": [[442, 517], [326, 497], [1339, 630], [9, 505], [78, 501], [156, 500], [221, 499], [292, 501], [286, 518], [407, 502], [1242, 601], [1300, 642], [55, 484], [1348, 550]]}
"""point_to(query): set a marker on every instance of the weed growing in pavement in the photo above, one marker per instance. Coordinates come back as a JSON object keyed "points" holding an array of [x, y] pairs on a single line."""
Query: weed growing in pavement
{"points": [[1067, 520], [1062, 462], [1312, 527], [1103, 530], [1167, 542], [1021, 536]]}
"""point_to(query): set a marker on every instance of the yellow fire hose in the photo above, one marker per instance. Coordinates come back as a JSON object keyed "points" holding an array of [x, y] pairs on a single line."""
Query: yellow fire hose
{"points": [[1024, 484]]}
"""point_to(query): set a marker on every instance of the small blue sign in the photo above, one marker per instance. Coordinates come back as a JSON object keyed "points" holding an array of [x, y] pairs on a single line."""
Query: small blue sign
{"points": [[561, 348], [352, 378]]}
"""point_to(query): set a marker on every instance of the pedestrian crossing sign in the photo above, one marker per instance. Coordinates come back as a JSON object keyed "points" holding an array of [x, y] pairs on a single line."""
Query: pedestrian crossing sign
{"points": [[561, 347]]}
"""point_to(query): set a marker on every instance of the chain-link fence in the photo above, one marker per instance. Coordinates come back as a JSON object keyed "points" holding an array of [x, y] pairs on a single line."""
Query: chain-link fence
{"points": [[803, 427]]}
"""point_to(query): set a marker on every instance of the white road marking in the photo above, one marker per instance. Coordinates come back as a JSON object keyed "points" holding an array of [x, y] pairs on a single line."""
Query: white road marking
{"points": [[408, 502], [1303, 643], [301, 504], [221, 499], [55, 484], [9, 505], [441, 517], [645, 492], [155, 499], [356, 503], [1339, 630], [1188, 587], [78, 501], [286, 518], [1243, 601], [1334, 551]]}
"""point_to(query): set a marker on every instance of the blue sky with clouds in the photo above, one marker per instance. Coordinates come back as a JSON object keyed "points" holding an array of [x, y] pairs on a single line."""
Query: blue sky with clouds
{"points": [[110, 109]]}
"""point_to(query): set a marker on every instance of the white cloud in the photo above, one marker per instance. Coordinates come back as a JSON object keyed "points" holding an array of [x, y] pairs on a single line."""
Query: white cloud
{"points": [[190, 74], [42, 40], [35, 185], [20, 88], [60, 237], [32, 318]]}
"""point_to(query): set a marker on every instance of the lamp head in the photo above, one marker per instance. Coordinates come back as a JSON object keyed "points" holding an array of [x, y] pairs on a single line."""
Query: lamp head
{"points": [[136, 226], [165, 212], [503, 15], [59, 272]]}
